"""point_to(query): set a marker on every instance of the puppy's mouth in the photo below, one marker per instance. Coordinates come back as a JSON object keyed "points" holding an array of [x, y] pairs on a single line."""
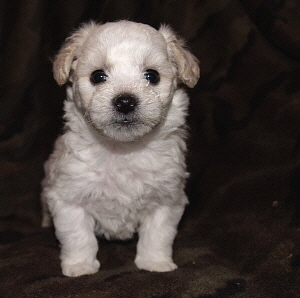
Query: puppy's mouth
{"points": [[126, 122]]}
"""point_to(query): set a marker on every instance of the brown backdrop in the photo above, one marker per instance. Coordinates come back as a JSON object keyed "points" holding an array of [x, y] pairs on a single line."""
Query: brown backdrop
{"points": [[240, 234]]}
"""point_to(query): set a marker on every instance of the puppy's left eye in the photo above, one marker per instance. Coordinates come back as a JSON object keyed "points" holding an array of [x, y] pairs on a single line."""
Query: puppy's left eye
{"points": [[98, 76], [152, 76]]}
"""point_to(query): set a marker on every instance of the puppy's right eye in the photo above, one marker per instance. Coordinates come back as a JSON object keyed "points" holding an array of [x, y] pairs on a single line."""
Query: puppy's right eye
{"points": [[98, 76]]}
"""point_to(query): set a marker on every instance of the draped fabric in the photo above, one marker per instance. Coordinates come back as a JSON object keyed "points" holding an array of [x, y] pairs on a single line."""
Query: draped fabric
{"points": [[240, 234]]}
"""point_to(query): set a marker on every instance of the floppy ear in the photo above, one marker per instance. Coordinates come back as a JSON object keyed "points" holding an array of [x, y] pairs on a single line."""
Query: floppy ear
{"points": [[186, 63], [67, 54]]}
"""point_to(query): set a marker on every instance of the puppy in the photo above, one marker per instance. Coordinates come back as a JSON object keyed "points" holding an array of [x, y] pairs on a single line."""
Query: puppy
{"points": [[120, 166]]}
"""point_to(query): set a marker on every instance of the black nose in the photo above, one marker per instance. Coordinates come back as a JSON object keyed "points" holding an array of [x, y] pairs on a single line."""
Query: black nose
{"points": [[125, 103]]}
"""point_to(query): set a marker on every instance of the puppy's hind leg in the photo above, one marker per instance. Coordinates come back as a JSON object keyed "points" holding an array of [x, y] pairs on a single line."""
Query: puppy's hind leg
{"points": [[75, 231], [46, 217], [156, 236]]}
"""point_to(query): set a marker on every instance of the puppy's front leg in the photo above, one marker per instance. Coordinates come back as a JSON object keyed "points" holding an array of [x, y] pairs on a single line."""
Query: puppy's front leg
{"points": [[156, 236], [75, 231]]}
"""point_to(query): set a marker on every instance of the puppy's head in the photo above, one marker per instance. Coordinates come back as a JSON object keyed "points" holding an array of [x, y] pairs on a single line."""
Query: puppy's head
{"points": [[123, 75]]}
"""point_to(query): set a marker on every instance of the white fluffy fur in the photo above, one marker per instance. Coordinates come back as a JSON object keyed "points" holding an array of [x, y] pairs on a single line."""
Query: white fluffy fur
{"points": [[111, 179]]}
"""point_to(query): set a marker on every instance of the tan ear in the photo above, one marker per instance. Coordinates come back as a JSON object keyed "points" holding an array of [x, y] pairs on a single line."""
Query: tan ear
{"points": [[186, 63], [67, 54]]}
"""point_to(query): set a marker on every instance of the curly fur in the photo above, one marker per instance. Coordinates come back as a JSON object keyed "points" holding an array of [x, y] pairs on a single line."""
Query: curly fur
{"points": [[108, 177]]}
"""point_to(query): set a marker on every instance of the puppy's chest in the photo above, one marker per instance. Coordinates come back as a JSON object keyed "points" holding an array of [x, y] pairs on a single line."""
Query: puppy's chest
{"points": [[117, 180]]}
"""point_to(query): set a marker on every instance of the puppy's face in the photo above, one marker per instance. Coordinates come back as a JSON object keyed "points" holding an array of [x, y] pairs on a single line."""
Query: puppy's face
{"points": [[124, 80], [123, 77]]}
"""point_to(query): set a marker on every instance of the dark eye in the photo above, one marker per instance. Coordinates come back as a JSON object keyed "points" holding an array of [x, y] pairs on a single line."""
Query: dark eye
{"points": [[98, 76], [152, 76]]}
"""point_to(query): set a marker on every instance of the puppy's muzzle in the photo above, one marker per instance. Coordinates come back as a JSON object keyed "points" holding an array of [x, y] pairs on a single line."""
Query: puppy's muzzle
{"points": [[125, 103]]}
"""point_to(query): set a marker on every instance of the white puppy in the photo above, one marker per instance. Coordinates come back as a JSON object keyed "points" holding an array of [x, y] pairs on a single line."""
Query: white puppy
{"points": [[120, 165]]}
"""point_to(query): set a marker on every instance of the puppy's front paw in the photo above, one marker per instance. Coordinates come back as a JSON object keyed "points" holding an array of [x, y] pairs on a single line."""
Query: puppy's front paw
{"points": [[163, 265], [78, 269]]}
